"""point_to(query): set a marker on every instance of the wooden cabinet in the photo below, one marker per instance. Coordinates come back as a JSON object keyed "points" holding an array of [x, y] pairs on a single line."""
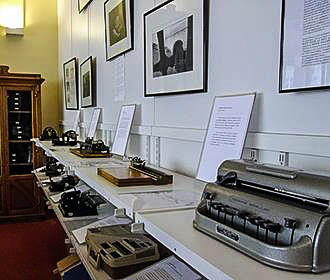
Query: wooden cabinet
{"points": [[20, 120]]}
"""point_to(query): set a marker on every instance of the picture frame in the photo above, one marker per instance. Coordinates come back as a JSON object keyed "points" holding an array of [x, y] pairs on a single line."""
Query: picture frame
{"points": [[70, 83], [119, 27], [304, 55], [83, 4], [87, 83], [176, 48]]}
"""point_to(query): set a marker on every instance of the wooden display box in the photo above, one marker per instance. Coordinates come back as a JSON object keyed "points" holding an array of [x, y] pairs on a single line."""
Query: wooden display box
{"points": [[78, 153], [124, 176]]}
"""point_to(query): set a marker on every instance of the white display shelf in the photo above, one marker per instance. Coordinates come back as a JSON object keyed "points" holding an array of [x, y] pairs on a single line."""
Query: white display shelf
{"points": [[65, 157], [173, 227], [68, 227], [113, 193], [210, 257]]}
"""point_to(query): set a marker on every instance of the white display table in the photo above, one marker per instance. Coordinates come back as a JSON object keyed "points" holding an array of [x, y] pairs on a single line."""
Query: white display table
{"points": [[172, 226]]}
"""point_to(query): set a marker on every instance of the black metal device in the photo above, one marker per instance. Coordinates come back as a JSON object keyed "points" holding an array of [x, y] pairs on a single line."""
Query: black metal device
{"points": [[94, 147], [77, 203], [69, 138], [65, 183], [48, 133]]}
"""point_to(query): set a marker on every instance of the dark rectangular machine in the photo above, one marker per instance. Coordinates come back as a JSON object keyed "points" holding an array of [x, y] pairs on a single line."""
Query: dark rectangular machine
{"points": [[278, 216]]}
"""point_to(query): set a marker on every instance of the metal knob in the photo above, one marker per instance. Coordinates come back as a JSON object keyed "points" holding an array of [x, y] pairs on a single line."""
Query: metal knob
{"points": [[290, 223]]}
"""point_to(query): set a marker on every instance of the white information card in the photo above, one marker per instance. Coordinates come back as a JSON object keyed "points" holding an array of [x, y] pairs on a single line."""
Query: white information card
{"points": [[93, 122], [174, 199], [124, 126], [226, 133], [76, 123], [167, 269]]}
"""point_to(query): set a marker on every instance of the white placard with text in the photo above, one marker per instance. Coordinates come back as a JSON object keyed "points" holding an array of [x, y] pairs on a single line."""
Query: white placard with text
{"points": [[93, 122], [76, 123], [124, 126], [226, 133]]}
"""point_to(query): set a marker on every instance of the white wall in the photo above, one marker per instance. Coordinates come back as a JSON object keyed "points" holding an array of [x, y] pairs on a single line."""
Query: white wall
{"points": [[243, 57]]}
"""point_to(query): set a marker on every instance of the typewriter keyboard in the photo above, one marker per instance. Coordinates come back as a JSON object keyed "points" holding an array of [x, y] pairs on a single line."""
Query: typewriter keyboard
{"points": [[255, 226]]}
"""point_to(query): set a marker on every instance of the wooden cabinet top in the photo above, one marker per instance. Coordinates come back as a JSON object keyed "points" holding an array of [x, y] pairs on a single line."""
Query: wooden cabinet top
{"points": [[7, 77]]}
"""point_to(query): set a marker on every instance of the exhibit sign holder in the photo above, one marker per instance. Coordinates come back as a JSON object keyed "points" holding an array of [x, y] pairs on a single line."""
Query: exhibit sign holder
{"points": [[226, 133], [124, 126], [76, 123], [93, 123]]}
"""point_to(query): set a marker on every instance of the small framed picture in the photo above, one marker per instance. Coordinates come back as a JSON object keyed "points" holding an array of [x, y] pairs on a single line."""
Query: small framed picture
{"points": [[70, 80], [87, 83], [176, 47], [82, 4], [119, 27]]}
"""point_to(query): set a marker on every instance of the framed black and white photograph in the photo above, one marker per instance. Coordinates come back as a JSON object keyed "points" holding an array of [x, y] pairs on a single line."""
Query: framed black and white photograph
{"points": [[82, 4], [119, 27], [176, 48], [70, 80], [305, 53], [87, 83]]}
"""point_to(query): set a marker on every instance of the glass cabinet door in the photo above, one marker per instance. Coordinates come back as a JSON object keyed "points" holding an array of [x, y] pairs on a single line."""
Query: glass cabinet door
{"points": [[20, 132]]}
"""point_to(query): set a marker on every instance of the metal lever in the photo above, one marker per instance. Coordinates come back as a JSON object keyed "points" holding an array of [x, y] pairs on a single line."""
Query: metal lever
{"points": [[228, 180], [285, 174]]}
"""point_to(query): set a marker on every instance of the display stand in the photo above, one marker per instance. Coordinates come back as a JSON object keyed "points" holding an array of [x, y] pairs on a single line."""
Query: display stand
{"points": [[172, 226], [226, 133]]}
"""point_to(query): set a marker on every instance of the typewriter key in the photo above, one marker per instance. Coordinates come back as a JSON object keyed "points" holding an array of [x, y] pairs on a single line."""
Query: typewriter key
{"points": [[290, 224], [243, 215], [272, 227], [217, 207]]}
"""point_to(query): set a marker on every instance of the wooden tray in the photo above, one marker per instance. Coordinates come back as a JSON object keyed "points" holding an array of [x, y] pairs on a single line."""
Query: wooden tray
{"points": [[124, 176], [78, 153]]}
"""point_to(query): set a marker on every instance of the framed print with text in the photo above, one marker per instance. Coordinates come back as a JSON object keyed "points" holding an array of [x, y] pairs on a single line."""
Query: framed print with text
{"points": [[119, 27], [176, 47], [82, 4], [87, 83], [70, 72], [305, 51]]}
